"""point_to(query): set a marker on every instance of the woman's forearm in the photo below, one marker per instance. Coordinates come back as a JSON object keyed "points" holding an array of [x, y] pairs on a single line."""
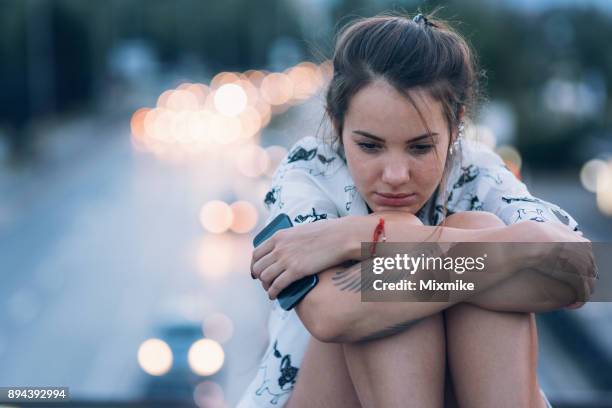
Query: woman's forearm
{"points": [[527, 291], [404, 227], [333, 311]]}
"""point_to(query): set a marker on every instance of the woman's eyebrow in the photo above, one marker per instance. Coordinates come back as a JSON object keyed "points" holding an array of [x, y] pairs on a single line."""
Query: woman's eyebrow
{"points": [[380, 139]]}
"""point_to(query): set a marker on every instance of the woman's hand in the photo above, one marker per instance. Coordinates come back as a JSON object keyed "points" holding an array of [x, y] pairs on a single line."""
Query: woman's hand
{"points": [[564, 255], [293, 253]]}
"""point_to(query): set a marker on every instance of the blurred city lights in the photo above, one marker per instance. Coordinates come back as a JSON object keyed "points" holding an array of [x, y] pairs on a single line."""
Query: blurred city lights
{"points": [[511, 157], [252, 160], [223, 78], [205, 357], [590, 173], [137, 122], [182, 100], [155, 357], [482, 134], [276, 154], [218, 327], [215, 256], [244, 217], [604, 190], [276, 89], [230, 100], [216, 216], [196, 118], [209, 394]]}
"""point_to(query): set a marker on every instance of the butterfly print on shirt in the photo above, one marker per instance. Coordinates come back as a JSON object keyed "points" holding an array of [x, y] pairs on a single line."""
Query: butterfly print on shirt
{"points": [[475, 203], [299, 153], [272, 196], [316, 217], [324, 159], [509, 200], [468, 174]]}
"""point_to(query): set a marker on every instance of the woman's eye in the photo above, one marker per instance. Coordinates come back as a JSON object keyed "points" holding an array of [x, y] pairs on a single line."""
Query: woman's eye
{"points": [[368, 147], [422, 148]]}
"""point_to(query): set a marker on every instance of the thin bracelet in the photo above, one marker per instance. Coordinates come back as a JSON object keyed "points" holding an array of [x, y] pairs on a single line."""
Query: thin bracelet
{"points": [[378, 231]]}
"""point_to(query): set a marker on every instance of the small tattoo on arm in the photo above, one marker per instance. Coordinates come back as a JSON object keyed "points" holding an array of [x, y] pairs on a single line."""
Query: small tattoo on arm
{"points": [[391, 330], [348, 279]]}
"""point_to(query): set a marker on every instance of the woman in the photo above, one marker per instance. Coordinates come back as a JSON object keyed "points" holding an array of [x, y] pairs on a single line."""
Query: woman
{"points": [[397, 100]]}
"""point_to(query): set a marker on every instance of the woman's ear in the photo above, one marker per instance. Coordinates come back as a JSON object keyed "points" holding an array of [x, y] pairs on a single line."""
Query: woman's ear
{"points": [[461, 113], [460, 117]]}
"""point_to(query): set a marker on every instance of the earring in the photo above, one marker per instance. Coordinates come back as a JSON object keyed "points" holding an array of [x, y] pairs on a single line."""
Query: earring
{"points": [[457, 143]]}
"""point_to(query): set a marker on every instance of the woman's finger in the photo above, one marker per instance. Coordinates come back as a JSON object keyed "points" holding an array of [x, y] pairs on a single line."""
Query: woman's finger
{"points": [[260, 265], [263, 248], [270, 274], [281, 282]]}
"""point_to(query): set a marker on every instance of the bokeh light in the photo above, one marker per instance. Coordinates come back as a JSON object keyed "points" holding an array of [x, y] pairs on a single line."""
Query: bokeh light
{"points": [[511, 157], [590, 173], [196, 118], [276, 89], [244, 217], [215, 256], [218, 327], [230, 100], [205, 357], [482, 134], [604, 190], [252, 160], [137, 122], [209, 394], [155, 357], [276, 154], [216, 216]]}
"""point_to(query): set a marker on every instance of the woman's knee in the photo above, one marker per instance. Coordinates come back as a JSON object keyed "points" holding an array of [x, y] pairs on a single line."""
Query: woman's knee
{"points": [[473, 219]]}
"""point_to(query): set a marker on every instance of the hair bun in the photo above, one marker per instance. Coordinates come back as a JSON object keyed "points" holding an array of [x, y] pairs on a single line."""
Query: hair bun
{"points": [[420, 18]]}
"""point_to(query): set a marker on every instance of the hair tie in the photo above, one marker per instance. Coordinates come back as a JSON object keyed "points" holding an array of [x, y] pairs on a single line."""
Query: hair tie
{"points": [[420, 18]]}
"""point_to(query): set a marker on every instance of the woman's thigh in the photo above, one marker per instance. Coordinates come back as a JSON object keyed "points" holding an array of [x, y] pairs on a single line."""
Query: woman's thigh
{"points": [[492, 357], [323, 379]]}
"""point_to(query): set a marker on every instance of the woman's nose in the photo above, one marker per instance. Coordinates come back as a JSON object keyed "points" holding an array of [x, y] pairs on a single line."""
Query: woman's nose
{"points": [[395, 173]]}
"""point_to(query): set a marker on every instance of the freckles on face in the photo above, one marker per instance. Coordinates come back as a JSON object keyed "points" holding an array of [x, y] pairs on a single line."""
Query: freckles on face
{"points": [[395, 162]]}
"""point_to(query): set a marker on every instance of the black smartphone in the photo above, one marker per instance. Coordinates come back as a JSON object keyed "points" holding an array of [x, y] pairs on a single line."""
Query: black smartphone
{"points": [[292, 294]]}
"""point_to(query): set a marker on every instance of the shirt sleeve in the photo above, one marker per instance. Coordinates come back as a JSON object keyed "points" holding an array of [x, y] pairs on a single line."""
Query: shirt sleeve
{"points": [[503, 194], [296, 193]]}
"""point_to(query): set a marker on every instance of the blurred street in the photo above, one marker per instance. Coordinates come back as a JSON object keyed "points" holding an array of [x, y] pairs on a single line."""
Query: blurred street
{"points": [[103, 248], [137, 145]]}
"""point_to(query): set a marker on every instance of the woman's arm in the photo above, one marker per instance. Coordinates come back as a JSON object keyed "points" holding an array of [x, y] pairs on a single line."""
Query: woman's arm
{"points": [[333, 310]]}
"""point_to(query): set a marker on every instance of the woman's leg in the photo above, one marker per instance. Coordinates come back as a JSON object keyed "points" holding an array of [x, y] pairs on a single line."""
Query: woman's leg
{"points": [[492, 356], [403, 370], [323, 379]]}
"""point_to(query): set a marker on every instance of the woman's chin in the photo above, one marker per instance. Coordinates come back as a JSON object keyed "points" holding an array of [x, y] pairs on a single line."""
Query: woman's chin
{"points": [[383, 208]]}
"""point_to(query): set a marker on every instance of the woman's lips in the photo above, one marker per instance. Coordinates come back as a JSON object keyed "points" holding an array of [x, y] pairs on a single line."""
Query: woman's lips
{"points": [[395, 200]]}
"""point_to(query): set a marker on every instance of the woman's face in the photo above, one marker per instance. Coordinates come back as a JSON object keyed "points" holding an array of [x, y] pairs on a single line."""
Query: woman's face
{"points": [[395, 164]]}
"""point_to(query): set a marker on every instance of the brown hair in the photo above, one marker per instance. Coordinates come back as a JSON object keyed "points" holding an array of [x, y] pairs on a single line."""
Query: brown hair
{"points": [[420, 52]]}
